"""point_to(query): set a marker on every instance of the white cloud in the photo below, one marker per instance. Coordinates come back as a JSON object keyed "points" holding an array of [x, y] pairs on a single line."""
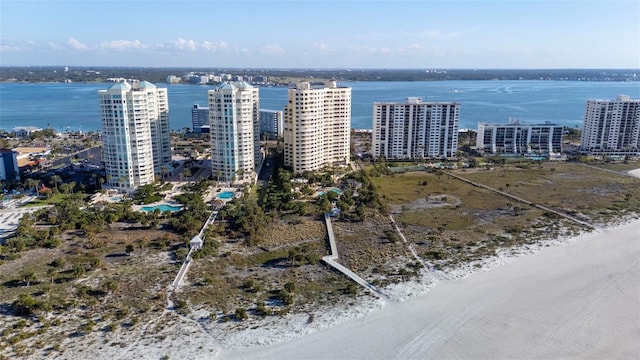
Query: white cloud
{"points": [[214, 46], [55, 46], [122, 45], [362, 49], [74, 44], [272, 49], [323, 48], [182, 44], [10, 45]]}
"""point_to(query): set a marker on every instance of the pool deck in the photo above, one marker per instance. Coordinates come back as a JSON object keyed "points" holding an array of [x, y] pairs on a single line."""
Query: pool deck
{"points": [[135, 207], [214, 194]]}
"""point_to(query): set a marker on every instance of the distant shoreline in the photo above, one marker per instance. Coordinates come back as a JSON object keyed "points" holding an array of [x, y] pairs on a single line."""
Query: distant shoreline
{"points": [[89, 74], [285, 85]]}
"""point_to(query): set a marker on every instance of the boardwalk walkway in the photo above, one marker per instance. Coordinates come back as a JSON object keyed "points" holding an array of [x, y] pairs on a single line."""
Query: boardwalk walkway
{"points": [[607, 170], [513, 197], [187, 261], [331, 260]]}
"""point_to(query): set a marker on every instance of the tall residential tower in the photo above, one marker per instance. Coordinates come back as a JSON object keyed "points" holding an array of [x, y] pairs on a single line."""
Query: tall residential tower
{"points": [[271, 123], [235, 135], [135, 133], [415, 129], [199, 119], [317, 126], [612, 126]]}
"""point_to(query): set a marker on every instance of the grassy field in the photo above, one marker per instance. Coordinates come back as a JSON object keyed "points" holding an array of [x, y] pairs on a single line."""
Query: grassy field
{"points": [[569, 187], [482, 221]]}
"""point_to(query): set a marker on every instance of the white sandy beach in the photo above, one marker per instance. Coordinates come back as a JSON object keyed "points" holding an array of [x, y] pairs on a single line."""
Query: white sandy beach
{"points": [[577, 300]]}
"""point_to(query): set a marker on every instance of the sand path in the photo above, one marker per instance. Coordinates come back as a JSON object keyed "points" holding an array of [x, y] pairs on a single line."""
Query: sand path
{"points": [[579, 300]]}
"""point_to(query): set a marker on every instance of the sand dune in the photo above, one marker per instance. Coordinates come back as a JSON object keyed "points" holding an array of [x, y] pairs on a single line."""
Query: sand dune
{"points": [[635, 173], [578, 300]]}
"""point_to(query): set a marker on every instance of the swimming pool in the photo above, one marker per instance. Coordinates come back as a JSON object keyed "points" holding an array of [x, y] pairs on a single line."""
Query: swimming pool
{"points": [[225, 195], [335, 190], [162, 207]]}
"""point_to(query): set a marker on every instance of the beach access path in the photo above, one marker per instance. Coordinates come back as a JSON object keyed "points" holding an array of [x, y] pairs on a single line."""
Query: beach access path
{"points": [[332, 260]]}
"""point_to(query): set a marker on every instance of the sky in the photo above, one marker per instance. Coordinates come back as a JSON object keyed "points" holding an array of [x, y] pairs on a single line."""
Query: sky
{"points": [[330, 34]]}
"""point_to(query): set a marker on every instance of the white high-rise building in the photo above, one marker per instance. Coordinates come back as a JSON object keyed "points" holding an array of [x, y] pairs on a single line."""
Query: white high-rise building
{"points": [[199, 118], [317, 126], [415, 129], [135, 133], [235, 135], [271, 123], [517, 138], [612, 126]]}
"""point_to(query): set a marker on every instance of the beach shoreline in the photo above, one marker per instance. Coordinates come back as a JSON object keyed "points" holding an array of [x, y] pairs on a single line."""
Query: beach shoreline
{"points": [[436, 324], [349, 328]]}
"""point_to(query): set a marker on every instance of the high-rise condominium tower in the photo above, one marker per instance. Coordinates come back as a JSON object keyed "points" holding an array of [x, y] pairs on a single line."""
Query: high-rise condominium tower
{"points": [[135, 133], [271, 123], [612, 125], [235, 135], [415, 129], [317, 125], [199, 119]]}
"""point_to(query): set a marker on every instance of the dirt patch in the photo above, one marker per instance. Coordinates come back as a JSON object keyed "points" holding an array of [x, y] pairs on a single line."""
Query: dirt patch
{"points": [[428, 202]]}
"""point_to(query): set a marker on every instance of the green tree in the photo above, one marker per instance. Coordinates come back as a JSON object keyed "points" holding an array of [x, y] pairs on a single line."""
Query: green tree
{"points": [[78, 270], [55, 180], [28, 276]]}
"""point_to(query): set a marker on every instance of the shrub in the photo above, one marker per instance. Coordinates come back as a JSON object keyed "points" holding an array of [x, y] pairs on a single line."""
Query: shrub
{"points": [[290, 287], [241, 314]]}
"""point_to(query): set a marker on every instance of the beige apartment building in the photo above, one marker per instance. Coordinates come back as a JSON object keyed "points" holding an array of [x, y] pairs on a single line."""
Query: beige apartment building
{"points": [[317, 125]]}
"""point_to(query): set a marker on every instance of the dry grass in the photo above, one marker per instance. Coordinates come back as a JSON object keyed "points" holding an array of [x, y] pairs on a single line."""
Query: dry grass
{"points": [[81, 304], [483, 221], [566, 186]]}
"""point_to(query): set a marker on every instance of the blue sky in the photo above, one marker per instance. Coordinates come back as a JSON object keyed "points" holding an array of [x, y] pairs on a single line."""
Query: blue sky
{"points": [[322, 34]]}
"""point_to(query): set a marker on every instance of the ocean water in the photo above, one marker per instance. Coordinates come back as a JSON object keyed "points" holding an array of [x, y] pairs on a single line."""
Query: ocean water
{"points": [[75, 106]]}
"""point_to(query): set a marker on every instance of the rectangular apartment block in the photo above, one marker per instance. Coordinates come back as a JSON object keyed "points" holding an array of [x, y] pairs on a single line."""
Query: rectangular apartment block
{"points": [[317, 126], [415, 129]]}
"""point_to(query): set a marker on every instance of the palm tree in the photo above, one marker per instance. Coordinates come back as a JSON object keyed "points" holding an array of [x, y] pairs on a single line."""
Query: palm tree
{"points": [[54, 180], [35, 183]]}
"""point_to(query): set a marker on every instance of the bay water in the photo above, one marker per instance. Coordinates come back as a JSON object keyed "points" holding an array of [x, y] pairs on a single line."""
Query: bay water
{"points": [[74, 107]]}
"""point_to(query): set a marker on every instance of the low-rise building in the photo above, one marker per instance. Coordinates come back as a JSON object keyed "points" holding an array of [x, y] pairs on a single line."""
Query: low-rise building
{"points": [[517, 138], [25, 131]]}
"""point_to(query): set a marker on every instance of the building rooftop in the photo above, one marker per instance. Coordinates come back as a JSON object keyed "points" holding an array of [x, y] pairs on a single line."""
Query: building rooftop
{"points": [[26, 128], [146, 85], [121, 86]]}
